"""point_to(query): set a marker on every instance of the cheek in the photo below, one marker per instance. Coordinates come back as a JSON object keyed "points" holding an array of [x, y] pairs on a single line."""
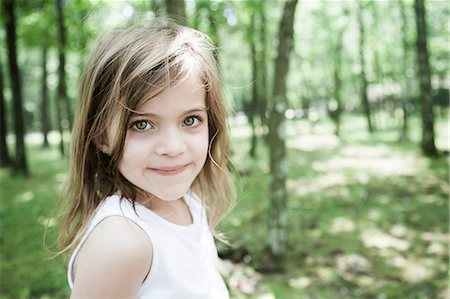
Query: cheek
{"points": [[132, 153]]}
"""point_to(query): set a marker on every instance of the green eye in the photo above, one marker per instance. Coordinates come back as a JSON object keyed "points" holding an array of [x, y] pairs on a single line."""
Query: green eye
{"points": [[141, 125], [189, 121], [192, 121]]}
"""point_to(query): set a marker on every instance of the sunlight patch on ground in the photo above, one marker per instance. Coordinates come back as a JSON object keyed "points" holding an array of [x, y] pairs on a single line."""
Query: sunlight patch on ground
{"points": [[342, 225], [353, 263], [438, 243], [299, 187], [412, 270], [240, 276], [387, 166], [310, 143], [374, 214], [398, 231], [326, 274], [373, 151], [377, 239], [299, 282], [437, 249], [25, 197], [436, 236]]}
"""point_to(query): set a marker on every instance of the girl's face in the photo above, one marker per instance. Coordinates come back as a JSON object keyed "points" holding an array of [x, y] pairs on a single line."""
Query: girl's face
{"points": [[166, 143]]}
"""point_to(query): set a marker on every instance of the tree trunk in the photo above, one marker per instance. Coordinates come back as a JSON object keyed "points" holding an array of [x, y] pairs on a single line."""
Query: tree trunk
{"points": [[176, 9], [5, 160], [253, 107], [262, 62], [363, 78], [424, 76], [157, 7], [277, 239], [45, 116], [20, 163], [213, 33], [337, 110], [405, 87], [64, 109]]}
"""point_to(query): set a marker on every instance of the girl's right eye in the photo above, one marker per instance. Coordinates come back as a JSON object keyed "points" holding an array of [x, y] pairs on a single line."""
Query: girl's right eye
{"points": [[141, 126]]}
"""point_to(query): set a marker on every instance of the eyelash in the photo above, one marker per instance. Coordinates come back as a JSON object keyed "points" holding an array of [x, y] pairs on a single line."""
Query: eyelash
{"points": [[150, 125]]}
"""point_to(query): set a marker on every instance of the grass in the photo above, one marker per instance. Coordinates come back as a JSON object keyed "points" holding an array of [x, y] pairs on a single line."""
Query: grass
{"points": [[368, 218], [368, 215], [25, 206]]}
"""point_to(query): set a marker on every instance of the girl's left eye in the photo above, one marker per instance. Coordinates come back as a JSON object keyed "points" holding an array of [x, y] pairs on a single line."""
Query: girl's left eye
{"points": [[192, 121]]}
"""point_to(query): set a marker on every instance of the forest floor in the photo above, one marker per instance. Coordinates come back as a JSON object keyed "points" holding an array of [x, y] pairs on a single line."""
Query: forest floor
{"points": [[368, 218]]}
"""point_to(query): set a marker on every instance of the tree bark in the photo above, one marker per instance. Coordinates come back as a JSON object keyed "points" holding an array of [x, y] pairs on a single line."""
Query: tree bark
{"points": [[277, 239], [424, 75], [5, 159], [176, 9], [336, 114], [45, 116], [363, 78], [253, 107], [20, 163], [64, 109], [157, 7], [405, 83], [262, 63]]}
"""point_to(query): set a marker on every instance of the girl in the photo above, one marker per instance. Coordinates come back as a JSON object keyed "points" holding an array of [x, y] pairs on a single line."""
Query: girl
{"points": [[148, 180]]}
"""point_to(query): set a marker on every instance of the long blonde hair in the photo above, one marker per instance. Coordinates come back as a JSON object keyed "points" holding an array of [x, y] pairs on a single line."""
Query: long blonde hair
{"points": [[125, 67]]}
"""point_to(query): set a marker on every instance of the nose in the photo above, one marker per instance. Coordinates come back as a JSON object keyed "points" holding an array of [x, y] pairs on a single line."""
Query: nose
{"points": [[171, 143]]}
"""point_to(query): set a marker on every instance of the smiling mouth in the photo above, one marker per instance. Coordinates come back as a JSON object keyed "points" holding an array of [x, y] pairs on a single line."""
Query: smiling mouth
{"points": [[168, 171]]}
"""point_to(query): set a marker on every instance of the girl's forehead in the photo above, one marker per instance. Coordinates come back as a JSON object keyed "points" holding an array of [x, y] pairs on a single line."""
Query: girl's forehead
{"points": [[189, 94]]}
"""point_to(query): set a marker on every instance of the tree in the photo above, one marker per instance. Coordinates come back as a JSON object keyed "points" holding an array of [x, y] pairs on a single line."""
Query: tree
{"points": [[262, 65], [9, 18], [177, 10], [405, 83], [338, 28], [256, 39], [363, 88], [337, 110], [45, 116], [5, 160], [251, 111], [62, 100], [427, 144], [277, 239]]}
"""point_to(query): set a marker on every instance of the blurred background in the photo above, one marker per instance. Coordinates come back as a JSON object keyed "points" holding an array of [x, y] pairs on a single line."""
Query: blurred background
{"points": [[340, 137]]}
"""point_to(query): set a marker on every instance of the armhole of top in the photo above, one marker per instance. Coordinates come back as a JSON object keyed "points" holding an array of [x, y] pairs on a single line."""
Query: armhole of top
{"points": [[89, 231]]}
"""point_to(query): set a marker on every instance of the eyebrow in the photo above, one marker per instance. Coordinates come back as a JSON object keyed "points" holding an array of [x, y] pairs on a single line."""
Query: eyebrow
{"points": [[137, 113]]}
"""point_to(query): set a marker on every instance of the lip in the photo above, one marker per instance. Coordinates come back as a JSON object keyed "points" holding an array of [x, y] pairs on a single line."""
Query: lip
{"points": [[169, 171]]}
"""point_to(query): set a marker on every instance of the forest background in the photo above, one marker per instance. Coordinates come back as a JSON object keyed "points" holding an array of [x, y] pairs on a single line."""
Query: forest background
{"points": [[340, 140]]}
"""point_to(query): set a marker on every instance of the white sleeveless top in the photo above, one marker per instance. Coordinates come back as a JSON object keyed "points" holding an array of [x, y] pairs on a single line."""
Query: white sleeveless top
{"points": [[184, 257]]}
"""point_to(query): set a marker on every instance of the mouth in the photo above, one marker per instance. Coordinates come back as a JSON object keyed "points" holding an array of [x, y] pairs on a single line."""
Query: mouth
{"points": [[168, 171]]}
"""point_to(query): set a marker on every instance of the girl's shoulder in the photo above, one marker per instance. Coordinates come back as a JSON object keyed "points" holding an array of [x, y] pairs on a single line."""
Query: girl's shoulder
{"points": [[115, 248], [114, 225]]}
